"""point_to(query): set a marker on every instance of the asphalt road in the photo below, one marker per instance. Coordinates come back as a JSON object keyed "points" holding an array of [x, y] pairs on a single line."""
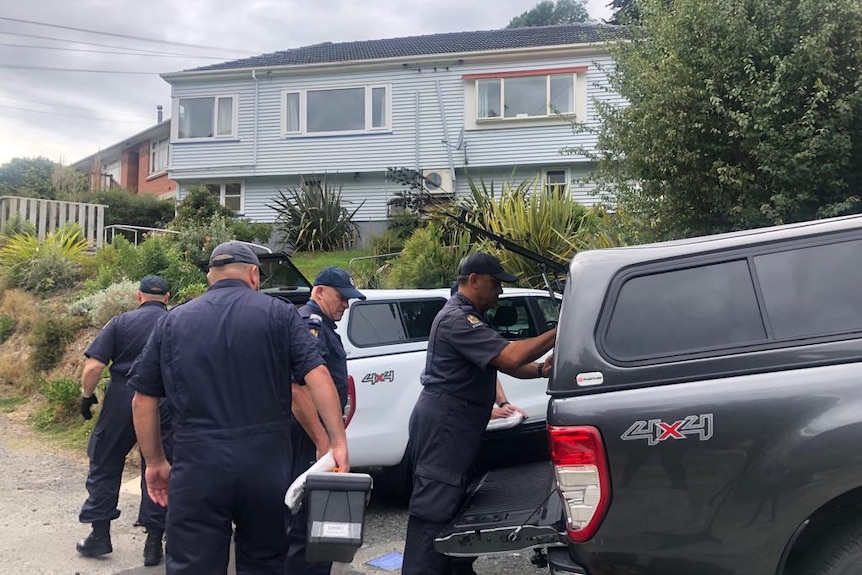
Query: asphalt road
{"points": [[42, 489]]}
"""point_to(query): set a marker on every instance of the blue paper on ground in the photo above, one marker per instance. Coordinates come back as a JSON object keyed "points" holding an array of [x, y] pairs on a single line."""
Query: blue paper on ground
{"points": [[389, 562]]}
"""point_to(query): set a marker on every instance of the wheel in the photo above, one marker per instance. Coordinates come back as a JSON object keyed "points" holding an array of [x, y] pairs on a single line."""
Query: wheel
{"points": [[839, 552]]}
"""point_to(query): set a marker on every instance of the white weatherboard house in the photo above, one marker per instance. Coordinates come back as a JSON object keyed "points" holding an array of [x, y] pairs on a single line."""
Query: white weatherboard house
{"points": [[486, 103]]}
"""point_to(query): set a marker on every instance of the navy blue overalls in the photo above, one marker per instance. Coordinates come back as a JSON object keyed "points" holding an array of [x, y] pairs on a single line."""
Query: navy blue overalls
{"points": [[224, 362], [446, 428], [304, 450], [119, 344]]}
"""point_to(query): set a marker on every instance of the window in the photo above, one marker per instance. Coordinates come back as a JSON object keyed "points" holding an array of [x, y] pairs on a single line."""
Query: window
{"points": [[344, 110], [813, 290], [525, 96], [207, 117], [511, 318], [556, 181], [382, 323], [159, 156], [684, 311], [229, 194], [550, 311]]}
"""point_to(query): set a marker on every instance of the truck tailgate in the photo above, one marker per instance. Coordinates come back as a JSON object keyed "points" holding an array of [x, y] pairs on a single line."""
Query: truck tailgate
{"points": [[511, 509]]}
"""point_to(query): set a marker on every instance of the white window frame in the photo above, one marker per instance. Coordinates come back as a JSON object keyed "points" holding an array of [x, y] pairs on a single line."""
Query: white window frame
{"points": [[223, 184], [549, 113], [547, 185], [369, 113], [175, 126], [159, 147]]}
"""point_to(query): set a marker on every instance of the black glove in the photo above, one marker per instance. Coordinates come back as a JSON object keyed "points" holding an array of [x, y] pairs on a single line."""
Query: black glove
{"points": [[86, 404]]}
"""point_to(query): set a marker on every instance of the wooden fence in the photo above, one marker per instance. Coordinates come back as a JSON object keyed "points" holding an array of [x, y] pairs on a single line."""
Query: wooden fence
{"points": [[50, 215]]}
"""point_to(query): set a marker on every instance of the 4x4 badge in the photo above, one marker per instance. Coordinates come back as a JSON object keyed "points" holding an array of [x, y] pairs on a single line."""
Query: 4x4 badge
{"points": [[373, 378], [655, 430]]}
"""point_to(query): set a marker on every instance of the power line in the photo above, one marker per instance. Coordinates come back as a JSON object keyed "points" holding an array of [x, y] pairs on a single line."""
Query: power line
{"points": [[74, 115], [54, 105], [52, 69], [126, 36], [164, 55], [89, 43]]}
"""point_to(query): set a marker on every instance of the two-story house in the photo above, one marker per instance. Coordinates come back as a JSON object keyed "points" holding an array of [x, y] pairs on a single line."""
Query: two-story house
{"points": [[498, 105], [138, 164]]}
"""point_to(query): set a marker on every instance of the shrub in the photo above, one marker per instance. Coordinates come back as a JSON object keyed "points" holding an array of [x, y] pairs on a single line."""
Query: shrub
{"points": [[246, 230], [311, 218], [426, 261], [62, 397], [197, 208], [7, 327], [105, 304], [196, 240], [157, 255], [143, 210], [18, 226], [49, 339], [43, 266], [551, 224], [190, 291]]}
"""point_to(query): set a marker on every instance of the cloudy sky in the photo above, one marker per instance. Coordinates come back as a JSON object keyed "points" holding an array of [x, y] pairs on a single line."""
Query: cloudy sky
{"points": [[65, 91]]}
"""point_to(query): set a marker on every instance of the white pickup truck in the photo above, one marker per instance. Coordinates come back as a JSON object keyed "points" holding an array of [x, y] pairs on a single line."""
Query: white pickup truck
{"points": [[385, 338]]}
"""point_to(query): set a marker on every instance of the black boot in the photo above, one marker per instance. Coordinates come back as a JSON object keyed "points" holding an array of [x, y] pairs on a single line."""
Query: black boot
{"points": [[153, 547], [98, 542]]}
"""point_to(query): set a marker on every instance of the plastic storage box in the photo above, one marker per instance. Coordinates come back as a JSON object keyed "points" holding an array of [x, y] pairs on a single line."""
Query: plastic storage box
{"points": [[336, 514]]}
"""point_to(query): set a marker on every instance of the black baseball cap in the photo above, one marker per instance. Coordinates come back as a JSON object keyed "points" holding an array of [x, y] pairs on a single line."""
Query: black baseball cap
{"points": [[339, 279], [233, 252], [484, 264], [155, 285]]}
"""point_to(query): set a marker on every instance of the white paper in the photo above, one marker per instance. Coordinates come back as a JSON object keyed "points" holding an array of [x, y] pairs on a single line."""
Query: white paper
{"points": [[293, 496]]}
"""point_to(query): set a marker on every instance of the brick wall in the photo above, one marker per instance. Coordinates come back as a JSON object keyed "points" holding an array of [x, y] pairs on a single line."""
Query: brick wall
{"points": [[147, 184]]}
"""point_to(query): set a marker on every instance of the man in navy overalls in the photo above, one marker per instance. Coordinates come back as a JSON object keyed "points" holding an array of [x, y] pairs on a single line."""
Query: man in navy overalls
{"points": [[224, 362], [113, 436], [464, 353], [330, 297]]}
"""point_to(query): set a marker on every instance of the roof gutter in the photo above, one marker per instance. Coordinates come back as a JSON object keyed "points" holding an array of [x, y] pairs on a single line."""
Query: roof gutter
{"points": [[405, 61]]}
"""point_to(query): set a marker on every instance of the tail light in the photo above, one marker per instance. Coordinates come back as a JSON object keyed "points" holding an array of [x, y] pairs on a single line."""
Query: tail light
{"points": [[583, 480], [350, 408]]}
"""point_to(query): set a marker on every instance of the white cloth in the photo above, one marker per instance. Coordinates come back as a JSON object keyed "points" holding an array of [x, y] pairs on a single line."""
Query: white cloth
{"points": [[293, 496]]}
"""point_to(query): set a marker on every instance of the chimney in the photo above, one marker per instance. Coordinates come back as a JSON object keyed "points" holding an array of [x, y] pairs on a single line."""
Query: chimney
{"points": [[159, 113]]}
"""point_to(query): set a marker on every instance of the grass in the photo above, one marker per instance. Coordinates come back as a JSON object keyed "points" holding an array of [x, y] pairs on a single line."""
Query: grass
{"points": [[10, 404], [310, 263]]}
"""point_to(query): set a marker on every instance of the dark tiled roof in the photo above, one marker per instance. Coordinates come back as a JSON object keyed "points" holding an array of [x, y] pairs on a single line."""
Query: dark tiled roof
{"points": [[448, 43]]}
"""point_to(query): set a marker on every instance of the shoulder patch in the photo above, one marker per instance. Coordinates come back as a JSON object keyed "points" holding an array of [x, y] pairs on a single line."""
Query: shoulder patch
{"points": [[315, 318], [474, 320], [314, 331]]}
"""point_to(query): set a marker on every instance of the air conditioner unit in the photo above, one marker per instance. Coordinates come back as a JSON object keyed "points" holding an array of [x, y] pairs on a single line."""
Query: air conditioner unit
{"points": [[438, 182]]}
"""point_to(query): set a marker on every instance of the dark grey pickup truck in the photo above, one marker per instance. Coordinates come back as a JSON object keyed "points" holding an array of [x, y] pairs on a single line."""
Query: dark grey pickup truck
{"points": [[705, 414]]}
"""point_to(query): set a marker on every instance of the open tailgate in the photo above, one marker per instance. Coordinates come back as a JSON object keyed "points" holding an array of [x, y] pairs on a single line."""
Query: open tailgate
{"points": [[511, 509]]}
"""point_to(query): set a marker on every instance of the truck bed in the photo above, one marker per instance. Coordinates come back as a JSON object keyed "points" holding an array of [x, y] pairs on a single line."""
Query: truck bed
{"points": [[509, 509]]}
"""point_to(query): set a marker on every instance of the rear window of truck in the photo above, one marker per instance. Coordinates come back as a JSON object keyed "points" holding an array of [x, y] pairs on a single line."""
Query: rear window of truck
{"points": [[755, 299]]}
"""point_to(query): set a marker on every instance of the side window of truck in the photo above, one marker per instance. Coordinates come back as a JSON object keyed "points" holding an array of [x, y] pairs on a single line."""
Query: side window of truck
{"points": [[812, 290], [511, 318], [684, 310], [385, 323]]}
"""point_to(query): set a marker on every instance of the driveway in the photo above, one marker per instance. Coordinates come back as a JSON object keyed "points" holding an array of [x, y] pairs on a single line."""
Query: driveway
{"points": [[42, 489]]}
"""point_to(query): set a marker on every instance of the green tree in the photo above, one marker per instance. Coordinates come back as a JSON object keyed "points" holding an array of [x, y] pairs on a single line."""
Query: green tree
{"points": [[549, 12], [625, 12], [28, 177], [740, 113]]}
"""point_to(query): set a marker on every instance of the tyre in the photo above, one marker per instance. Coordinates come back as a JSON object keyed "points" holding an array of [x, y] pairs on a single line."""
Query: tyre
{"points": [[839, 552]]}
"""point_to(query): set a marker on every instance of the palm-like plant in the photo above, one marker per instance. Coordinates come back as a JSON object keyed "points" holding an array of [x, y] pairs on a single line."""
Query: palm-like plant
{"points": [[46, 265], [311, 216], [544, 221]]}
